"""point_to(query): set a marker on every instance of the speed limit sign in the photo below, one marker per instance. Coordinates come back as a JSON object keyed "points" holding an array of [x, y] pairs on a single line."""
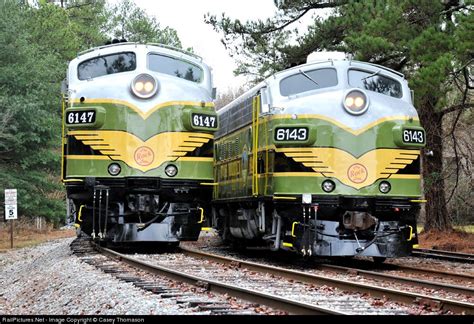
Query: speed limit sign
{"points": [[11, 212], [10, 204]]}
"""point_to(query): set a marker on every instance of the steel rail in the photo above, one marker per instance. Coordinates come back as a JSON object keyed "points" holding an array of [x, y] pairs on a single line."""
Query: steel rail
{"points": [[381, 292], [405, 280], [291, 306], [443, 273], [444, 255]]}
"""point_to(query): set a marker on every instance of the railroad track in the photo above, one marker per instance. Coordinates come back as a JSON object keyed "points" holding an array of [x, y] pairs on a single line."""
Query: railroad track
{"points": [[89, 251], [200, 303], [403, 279], [381, 292], [288, 305], [464, 283], [284, 280], [444, 255]]}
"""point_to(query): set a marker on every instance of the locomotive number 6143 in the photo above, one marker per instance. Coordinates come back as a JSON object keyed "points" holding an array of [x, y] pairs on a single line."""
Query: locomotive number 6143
{"points": [[291, 134]]}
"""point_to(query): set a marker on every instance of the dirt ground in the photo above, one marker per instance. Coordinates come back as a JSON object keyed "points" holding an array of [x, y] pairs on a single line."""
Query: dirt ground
{"points": [[455, 241], [27, 235]]}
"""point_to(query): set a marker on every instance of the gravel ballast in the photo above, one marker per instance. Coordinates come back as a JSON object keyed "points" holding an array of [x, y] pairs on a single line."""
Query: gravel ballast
{"points": [[48, 280]]}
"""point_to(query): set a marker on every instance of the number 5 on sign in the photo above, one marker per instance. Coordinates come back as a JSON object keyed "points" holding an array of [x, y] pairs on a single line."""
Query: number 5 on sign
{"points": [[11, 212]]}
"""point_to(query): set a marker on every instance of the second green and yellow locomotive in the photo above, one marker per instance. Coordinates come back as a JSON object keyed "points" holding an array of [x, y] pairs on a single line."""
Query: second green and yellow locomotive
{"points": [[322, 159]]}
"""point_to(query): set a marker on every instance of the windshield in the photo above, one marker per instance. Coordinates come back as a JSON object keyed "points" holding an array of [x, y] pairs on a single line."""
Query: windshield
{"points": [[308, 80], [108, 64], [175, 67], [373, 81]]}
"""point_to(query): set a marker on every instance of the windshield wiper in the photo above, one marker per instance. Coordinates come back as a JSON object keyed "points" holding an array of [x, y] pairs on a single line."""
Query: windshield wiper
{"points": [[371, 75], [308, 77]]}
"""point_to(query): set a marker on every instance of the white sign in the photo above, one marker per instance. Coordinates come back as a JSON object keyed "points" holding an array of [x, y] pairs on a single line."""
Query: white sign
{"points": [[10, 212], [10, 196], [10, 204]]}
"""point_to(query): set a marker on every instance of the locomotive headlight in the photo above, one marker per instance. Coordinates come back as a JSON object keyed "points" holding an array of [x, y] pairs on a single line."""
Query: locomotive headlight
{"points": [[328, 186], [149, 87], [171, 170], [144, 86], [356, 102], [139, 86], [384, 187], [114, 169]]}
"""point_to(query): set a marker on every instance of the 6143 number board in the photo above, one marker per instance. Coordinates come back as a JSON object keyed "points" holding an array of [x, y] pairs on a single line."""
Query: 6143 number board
{"points": [[299, 134]]}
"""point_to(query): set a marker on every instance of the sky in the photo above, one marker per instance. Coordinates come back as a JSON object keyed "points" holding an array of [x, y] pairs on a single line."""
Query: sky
{"points": [[187, 18]]}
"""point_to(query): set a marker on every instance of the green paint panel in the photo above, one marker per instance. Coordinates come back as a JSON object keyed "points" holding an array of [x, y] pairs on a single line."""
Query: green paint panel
{"points": [[299, 185], [98, 168], [165, 119], [330, 135]]}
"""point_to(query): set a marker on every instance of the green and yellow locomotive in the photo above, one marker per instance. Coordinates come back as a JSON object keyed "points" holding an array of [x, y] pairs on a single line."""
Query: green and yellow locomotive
{"points": [[138, 142], [322, 159]]}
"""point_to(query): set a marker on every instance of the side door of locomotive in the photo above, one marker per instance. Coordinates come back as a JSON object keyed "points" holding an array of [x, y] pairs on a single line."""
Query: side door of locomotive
{"points": [[257, 164]]}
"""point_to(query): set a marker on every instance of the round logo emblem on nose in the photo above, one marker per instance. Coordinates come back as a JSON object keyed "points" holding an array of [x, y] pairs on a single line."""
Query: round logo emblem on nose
{"points": [[144, 156], [357, 173]]}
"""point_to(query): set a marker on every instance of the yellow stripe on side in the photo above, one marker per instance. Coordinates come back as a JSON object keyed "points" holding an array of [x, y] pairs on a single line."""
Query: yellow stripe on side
{"points": [[406, 176], [87, 157], [297, 174], [196, 159], [283, 198], [147, 114]]}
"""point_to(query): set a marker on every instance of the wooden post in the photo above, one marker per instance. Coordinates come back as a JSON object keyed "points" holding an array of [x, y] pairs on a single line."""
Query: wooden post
{"points": [[11, 233]]}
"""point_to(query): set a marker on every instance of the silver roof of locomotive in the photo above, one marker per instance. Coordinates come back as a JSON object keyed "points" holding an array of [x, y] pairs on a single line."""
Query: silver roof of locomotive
{"points": [[327, 102], [117, 86]]}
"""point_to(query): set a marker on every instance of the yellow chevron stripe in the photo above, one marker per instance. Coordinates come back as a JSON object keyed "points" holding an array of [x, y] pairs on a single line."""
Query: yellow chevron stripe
{"points": [[351, 171], [139, 154]]}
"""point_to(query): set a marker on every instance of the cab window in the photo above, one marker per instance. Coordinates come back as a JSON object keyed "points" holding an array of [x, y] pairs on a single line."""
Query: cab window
{"points": [[107, 64], [308, 80], [175, 67], [373, 81]]}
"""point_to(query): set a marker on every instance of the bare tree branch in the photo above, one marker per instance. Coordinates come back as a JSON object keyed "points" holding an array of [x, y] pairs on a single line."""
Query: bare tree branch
{"points": [[456, 107]]}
